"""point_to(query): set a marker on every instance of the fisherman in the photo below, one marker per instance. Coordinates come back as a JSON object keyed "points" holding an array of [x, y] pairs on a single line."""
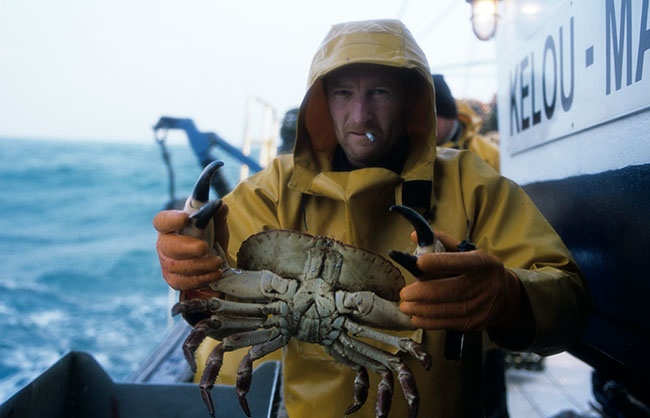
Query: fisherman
{"points": [[366, 140], [458, 125]]}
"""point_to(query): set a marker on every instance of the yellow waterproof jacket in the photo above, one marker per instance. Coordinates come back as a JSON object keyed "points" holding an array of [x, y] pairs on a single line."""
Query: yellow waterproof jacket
{"points": [[470, 138], [300, 192]]}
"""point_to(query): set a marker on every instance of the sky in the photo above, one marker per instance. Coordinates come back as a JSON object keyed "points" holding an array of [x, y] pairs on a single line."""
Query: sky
{"points": [[96, 70]]}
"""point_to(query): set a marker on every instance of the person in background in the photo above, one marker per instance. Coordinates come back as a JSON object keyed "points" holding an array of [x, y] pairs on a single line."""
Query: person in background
{"points": [[458, 125], [366, 140]]}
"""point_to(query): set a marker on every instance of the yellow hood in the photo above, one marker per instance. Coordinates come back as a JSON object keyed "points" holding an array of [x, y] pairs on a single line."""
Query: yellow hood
{"points": [[470, 120], [383, 42]]}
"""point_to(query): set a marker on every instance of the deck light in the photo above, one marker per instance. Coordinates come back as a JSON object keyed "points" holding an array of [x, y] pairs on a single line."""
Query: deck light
{"points": [[484, 18]]}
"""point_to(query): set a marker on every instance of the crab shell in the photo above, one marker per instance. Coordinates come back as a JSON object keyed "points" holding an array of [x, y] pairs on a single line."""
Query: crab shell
{"points": [[286, 252]]}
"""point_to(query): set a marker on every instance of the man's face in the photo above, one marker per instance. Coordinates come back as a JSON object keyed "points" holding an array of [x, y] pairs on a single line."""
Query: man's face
{"points": [[364, 99]]}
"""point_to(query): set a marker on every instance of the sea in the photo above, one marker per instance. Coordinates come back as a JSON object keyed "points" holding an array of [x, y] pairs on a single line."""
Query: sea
{"points": [[78, 266]]}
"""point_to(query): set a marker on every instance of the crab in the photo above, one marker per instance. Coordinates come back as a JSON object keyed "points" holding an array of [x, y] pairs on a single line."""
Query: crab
{"points": [[316, 289]]}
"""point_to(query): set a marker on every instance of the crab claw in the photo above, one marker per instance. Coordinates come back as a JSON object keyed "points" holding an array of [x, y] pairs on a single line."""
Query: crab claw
{"points": [[426, 238], [425, 235], [427, 243], [408, 261], [201, 191], [197, 206], [203, 216]]}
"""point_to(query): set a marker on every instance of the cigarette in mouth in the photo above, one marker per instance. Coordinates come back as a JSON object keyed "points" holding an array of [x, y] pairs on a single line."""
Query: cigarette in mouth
{"points": [[370, 137]]}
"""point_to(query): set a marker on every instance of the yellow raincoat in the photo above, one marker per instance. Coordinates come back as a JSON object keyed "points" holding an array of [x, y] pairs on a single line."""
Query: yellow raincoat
{"points": [[300, 192]]}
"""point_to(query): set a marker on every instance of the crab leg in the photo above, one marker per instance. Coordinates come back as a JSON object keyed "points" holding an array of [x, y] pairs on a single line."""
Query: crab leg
{"points": [[215, 359], [373, 310], [361, 381], [212, 368], [385, 387], [221, 323], [193, 340], [404, 374], [215, 305], [361, 384], [245, 371], [384, 394], [218, 327], [255, 285], [403, 344]]}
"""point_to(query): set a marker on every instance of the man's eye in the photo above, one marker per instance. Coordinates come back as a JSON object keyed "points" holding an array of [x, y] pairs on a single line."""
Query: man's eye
{"points": [[342, 93], [380, 92]]}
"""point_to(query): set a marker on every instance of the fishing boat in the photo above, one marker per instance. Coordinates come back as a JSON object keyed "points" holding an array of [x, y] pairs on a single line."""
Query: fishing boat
{"points": [[572, 133]]}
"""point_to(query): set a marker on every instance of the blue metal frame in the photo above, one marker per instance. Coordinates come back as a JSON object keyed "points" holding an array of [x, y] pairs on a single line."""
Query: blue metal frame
{"points": [[202, 142]]}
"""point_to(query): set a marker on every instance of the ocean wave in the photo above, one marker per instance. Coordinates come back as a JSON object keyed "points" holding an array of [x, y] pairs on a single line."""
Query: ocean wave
{"points": [[19, 365], [48, 319], [8, 284], [80, 270]]}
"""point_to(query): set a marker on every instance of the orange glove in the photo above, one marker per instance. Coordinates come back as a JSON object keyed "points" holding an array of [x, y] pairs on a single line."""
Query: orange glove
{"points": [[466, 291], [187, 262]]}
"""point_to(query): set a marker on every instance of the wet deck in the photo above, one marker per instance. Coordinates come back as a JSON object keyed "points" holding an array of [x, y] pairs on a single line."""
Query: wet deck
{"points": [[563, 388]]}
